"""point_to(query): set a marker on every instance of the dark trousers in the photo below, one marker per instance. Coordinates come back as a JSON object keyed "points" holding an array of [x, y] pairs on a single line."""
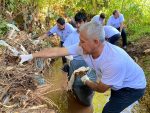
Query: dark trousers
{"points": [[64, 60], [121, 99], [114, 38], [124, 37]]}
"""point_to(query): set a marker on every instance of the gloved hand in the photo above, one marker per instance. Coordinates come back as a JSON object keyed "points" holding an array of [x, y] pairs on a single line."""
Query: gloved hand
{"points": [[25, 58], [84, 79]]}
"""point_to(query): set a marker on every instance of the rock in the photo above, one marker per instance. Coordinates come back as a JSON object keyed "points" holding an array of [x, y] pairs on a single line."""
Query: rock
{"points": [[147, 51]]}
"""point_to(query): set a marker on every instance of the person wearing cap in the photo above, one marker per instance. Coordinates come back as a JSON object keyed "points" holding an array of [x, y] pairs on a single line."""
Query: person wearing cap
{"points": [[83, 93], [115, 69], [116, 20], [63, 30], [99, 18]]}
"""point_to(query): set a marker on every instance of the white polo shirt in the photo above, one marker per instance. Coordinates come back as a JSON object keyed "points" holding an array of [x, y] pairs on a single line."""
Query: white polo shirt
{"points": [[72, 39], [116, 67], [115, 22], [110, 31], [62, 33], [97, 19]]}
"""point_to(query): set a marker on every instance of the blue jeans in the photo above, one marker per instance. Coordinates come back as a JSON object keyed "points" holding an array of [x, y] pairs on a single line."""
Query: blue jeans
{"points": [[121, 99], [83, 93]]}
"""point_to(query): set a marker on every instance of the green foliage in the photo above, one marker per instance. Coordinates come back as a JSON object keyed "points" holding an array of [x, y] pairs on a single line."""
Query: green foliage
{"points": [[136, 12], [138, 31], [3, 27]]}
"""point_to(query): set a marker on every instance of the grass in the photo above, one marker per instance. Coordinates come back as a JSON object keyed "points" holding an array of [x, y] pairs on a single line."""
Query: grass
{"points": [[136, 32]]}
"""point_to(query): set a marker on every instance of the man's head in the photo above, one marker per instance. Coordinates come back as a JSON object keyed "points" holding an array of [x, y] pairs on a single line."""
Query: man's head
{"points": [[92, 36], [102, 16], [116, 13], [61, 23], [80, 18]]}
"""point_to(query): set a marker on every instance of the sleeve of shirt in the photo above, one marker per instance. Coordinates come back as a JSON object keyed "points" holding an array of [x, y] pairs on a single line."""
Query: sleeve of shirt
{"points": [[52, 30], [75, 50], [121, 18], [113, 75]]}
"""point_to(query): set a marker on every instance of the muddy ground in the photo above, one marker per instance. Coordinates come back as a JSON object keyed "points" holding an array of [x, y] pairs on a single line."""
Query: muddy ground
{"points": [[140, 52]]}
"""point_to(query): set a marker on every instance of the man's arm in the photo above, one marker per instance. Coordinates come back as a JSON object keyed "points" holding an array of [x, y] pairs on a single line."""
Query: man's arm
{"points": [[99, 87], [49, 33], [121, 26], [121, 22], [51, 52], [45, 53]]}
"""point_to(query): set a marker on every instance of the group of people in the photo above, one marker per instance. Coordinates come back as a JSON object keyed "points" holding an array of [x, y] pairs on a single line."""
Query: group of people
{"points": [[114, 27], [92, 44]]}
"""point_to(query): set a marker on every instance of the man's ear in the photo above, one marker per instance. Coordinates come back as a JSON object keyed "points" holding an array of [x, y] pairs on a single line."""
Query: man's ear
{"points": [[96, 41]]}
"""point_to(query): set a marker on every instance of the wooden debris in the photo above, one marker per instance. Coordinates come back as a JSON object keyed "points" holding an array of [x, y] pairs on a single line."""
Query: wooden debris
{"points": [[19, 90]]}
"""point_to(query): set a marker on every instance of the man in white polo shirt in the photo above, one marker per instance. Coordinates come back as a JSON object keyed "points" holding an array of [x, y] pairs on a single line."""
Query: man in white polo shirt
{"points": [[114, 67], [99, 18], [63, 30], [116, 20], [111, 34]]}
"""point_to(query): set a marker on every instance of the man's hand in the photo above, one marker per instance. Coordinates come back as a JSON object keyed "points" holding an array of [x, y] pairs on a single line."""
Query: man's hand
{"points": [[25, 58]]}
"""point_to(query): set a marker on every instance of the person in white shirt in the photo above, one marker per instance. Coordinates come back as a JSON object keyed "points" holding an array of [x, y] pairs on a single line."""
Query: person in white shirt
{"points": [[116, 20], [83, 93], [114, 67], [111, 34], [99, 18], [63, 30]]}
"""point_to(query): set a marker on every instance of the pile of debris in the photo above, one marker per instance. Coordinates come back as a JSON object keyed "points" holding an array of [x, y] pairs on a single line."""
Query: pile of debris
{"points": [[22, 87], [138, 49]]}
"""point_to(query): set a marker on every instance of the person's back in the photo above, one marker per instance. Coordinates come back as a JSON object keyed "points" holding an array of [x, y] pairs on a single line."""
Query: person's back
{"points": [[110, 31], [72, 39], [99, 18]]}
